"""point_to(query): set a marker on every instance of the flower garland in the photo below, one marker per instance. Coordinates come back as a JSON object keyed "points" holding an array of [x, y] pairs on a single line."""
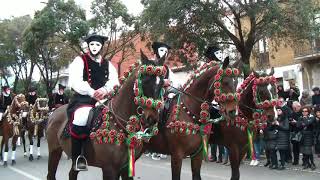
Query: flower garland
{"points": [[220, 96]]}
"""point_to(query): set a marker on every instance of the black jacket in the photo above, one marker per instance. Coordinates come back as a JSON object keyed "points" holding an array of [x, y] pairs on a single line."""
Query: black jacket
{"points": [[283, 133], [316, 100], [305, 124]]}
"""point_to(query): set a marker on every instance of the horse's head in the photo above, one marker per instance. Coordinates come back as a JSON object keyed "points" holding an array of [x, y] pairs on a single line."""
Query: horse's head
{"points": [[265, 94], [223, 87], [148, 89], [42, 104]]}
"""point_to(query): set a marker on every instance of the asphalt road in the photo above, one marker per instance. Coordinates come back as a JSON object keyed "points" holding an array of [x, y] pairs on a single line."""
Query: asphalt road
{"points": [[148, 169]]}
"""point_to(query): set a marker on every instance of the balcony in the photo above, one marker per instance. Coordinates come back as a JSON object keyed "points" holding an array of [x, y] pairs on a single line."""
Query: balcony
{"points": [[263, 60], [307, 51]]}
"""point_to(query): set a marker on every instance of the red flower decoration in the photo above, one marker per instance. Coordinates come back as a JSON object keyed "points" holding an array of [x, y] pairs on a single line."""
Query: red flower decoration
{"points": [[257, 122], [149, 69], [223, 97], [238, 95], [190, 126], [115, 87], [126, 74], [274, 102], [238, 119], [156, 132], [104, 133], [149, 103], [264, 118], [220, 71], [104, 125], [92, 135], [159, 104], [136, 100], [228, 71], [204, 106], [98, 132], [266, 104], [236, 71], [130, 128], [133, 120], [217, 85], [204, 114], [158, 71], [121, 137], [256, 115], [142, 68], [230, 97], [142, 101], [274, 79], [183, 125], [217, 98], [136, 92], [131, 68], [121, 80], [217, 92], [197, 127], [259, 106], [217, 77], [177, 124]]}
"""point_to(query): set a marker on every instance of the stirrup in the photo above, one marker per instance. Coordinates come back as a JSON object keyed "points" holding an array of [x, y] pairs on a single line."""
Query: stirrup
{"points": [[76, 168]]}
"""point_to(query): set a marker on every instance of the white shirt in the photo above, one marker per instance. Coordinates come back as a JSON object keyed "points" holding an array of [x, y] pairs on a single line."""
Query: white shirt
{"points": [[173, 80], [82, 87]]}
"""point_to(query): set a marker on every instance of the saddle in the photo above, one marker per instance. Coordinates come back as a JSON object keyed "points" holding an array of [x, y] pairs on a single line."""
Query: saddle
{"points": [[95, 120]]}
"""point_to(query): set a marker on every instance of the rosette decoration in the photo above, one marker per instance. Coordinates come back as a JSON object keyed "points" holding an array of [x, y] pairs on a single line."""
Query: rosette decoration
{"points": [[220, 96]]}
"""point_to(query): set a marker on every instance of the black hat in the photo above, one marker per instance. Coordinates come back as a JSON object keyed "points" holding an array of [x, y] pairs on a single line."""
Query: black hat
{"points": [[32, 89], [316, 109], [61, 86], [316, 89], [96, 37], [5, 87], [210, 52], [156, 45]]}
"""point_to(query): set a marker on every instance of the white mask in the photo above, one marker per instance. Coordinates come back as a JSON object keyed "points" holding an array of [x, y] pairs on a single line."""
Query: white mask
{"points": [[95, 47], [219, 55], [162, 51]]}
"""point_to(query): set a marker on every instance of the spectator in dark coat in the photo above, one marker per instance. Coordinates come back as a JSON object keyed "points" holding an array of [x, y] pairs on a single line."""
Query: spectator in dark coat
{"points": [[317, 130], [305, 124], [281, 92], [294, 130], [316, 96], [270, 137], [305, 99]]}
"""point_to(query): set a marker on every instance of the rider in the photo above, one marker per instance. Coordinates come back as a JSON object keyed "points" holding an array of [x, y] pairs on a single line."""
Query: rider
{"points": [[161, 50], [213, 53], [91, 77], [32, 95], [60, 98], [5, 100]]}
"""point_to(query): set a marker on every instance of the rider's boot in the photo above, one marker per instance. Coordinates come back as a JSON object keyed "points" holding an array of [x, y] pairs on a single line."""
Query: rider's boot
{"points": [[78, 160]]}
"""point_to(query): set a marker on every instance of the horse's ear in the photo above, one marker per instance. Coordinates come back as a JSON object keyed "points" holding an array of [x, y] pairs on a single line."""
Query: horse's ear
{"points": [[161, 60], [144, 58], [226, 63], [256, 74], [271, 72]]}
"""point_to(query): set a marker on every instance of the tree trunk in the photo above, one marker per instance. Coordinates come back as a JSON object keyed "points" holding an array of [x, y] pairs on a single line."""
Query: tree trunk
{"points": [[16, 80]]}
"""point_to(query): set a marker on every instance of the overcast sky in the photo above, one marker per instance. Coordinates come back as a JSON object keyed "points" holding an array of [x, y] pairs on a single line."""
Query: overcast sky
{"points": [[11, 8]]}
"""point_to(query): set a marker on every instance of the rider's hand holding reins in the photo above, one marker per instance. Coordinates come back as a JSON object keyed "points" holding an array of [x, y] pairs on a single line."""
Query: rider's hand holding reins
{"points": [[100, 93]]}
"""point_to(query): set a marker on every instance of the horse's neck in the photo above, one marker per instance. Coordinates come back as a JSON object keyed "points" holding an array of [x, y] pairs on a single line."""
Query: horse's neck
{"points": [[199, 89], [123, 102], [246, 103]]}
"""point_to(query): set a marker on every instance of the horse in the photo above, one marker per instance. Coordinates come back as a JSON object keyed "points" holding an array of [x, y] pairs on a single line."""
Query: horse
{"points": [[224, 132], [35, 125], [131, 110], [184, 132], [12, 124]]}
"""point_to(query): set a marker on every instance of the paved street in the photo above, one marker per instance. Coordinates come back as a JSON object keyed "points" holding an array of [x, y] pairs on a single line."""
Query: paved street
{"points": [[147, 169]]}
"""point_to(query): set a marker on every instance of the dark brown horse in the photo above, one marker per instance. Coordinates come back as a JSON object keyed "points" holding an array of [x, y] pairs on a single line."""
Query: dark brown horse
{"points": [[35, 125], [181, 135], [12, 124], [111, 158], [224, 132]]}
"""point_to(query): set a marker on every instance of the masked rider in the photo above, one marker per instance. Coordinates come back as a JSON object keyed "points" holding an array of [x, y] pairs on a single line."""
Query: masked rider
{"points": [[5, 100], [91, 78]]}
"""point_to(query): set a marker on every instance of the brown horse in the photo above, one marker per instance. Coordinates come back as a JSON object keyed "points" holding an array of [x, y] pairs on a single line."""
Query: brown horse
{"points": [[224, 134], [12, 124], [35, 125], [111, 158], [187, 139]]}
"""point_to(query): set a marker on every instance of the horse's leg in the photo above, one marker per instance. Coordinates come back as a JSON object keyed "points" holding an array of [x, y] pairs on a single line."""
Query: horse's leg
{"points": [[38, 144], [24, 143], [53, 162], [108, 174], [1, 150], [234, 161], [31, 146], [176, 163], [124, 175], [14, 146], [196, 163], [6, 149]]}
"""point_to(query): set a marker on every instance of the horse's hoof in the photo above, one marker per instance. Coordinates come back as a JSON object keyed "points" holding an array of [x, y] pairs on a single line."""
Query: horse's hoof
{"points": [[13, 162], [39, 157], [5, 164], [25, 155], [30, 158]]}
